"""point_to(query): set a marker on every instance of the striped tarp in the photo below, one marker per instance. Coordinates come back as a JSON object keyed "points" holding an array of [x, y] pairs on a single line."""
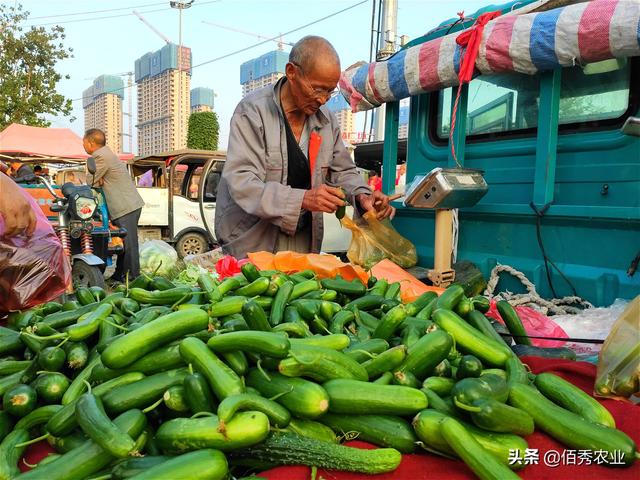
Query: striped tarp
{"points": [[573, 35]]}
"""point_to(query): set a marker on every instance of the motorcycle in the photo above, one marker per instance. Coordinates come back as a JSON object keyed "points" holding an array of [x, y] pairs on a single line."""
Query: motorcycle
{"points": [[76, 209]]}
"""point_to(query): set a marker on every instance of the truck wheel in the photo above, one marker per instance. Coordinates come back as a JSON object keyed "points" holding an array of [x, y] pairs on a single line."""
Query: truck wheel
{"points": [[191, 243], [86, 275]]}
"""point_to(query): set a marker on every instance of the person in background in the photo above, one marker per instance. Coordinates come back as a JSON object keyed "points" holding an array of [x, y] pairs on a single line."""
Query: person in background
{"points": [[401, 178], [123, 200], [16, 211], [286, 161], [20, 170], [375, 181], [38, 170]]}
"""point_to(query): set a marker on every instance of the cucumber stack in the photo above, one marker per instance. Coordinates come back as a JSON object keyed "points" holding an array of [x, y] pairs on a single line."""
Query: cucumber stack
{"points": [[271, 368]]}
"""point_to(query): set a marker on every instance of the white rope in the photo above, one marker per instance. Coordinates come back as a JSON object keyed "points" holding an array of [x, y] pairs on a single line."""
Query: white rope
{"points": [[454, 238], [556, 306]]}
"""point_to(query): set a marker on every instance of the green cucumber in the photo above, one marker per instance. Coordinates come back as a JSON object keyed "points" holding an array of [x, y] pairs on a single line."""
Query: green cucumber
{"points": [[37, 417], [143, 393], [11, 453], [557, 352], [19, 400], [381, 430], [255, 316], [280, 302], [363, 351], [311, 429], [64, 420], [513, 322], [250, 272], [568, 396], [357, 397], [450, 298], [174, 398], [51, 387], [77, 354], [227, 306], [277, 414], [390, 322], [130, 467], [427, 353], [160, 297], [516, 371], [185, 434], [571, 429], [385, 379], [354, 288], [198, 393], [419, 303], [437, 403], [95, 423], [340, 320], [6, 423], [500, 445], [367, 302], [51, 358], [291, 449], [301, 397], [440, 385], [471, 340], [135, 344], [88, 458], [237, 361], [78, 385], [8, 367], [386, 361], [495, 416], [468, 390], [302, 288], [222, 379], [481, 323], [479, 460], [469, 366], [203, 464], [335, 341], [255, 288], [317, 354]]}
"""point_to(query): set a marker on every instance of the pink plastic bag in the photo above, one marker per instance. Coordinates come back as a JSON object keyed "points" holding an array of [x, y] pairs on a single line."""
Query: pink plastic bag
{"points": [[228, 266], [32, 270], [536, 324]]}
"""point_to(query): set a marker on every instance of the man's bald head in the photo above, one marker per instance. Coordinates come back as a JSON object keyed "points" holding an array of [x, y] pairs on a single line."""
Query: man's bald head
{"points": [[311, 51]]}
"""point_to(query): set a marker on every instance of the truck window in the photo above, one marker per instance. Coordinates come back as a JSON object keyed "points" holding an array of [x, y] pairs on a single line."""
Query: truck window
{"points": [[508, 103], [497, 104], [588, 97]]}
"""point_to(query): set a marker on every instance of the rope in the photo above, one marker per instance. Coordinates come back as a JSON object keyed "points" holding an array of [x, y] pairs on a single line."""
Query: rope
{"points": [[555, 306], [456, 226]]}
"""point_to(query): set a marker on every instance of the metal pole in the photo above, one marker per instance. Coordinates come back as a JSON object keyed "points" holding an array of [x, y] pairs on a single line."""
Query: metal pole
{"points": [[387, 36], [179, 136]]}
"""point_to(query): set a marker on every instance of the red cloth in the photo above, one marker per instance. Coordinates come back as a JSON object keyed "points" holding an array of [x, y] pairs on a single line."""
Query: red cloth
{"points": [[428, 466], [471, 39]]}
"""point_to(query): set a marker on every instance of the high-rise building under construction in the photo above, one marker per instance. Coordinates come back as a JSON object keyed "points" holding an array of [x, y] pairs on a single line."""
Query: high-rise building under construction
{"points": [[102, 105], [262, 71], [163, 78]]}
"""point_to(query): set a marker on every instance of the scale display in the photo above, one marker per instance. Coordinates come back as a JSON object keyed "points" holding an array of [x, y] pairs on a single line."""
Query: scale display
{"points": [[447, 188]]}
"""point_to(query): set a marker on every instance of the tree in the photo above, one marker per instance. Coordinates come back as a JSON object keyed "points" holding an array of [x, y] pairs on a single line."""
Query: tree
{"points": [[28, 78], [203, 131]]}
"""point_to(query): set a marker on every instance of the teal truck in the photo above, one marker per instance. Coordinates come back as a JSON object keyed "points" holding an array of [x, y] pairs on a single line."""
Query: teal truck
{"points": [[556, 138]]}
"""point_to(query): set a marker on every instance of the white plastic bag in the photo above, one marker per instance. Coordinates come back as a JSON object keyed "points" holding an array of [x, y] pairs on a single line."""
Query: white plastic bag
{"points": [[158, 257]]}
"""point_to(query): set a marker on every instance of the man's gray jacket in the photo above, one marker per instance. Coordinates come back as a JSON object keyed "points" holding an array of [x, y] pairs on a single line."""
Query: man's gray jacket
{"points": [[119, 189], [254, 203]]}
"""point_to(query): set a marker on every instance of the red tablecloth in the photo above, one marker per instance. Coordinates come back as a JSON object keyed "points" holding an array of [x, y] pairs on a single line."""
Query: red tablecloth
{"points": [[428, 466]]}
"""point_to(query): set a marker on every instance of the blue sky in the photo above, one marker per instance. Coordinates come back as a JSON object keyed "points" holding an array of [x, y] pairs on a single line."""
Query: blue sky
{"points": [[109, 40]]}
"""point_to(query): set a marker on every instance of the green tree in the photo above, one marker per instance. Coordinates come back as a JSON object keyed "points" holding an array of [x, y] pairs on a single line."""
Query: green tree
{"points": [[203, 131], [28, 77]]}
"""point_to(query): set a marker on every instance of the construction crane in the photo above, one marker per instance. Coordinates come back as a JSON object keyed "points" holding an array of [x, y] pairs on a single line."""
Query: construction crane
{"points": [[154, 29], [279, 41]]}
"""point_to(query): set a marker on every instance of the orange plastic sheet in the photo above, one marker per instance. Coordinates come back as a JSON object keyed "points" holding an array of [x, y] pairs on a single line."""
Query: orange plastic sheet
{"points": [[410, 287], [326, 266]]}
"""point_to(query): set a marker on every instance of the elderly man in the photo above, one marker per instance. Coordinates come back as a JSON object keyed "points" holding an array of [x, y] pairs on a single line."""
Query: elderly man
{"points": [[286, 161], [123, 200]]}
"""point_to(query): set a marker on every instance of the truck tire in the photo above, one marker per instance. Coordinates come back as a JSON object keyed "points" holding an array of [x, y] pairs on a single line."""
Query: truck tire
{"points": [[191, 243]]}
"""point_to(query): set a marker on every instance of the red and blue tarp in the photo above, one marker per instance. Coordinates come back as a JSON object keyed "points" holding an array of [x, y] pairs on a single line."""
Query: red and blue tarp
{"points": [[528, 43]]}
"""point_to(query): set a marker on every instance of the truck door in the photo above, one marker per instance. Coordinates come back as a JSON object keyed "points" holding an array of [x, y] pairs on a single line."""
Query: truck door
{"points": [[207, 192]]}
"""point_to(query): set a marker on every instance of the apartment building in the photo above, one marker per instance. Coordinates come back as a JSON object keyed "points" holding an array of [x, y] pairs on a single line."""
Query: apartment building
{"points": [[202, 100], [102, 105], [163, 81], [262, 71]]}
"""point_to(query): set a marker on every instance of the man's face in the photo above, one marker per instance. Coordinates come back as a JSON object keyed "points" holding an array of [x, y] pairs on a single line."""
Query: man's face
{"points": [[88, 145], [314, 88]]}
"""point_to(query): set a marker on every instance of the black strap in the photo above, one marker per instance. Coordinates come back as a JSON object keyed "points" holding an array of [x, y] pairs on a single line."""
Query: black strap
{"points": [[576, 340]]}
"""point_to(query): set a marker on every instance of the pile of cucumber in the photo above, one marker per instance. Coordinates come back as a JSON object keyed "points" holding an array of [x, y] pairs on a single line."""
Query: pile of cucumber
{"points": [[266, 369]]}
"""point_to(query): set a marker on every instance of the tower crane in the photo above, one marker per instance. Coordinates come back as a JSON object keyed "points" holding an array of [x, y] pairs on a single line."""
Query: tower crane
{"points": [[279, 41], [154, 29]]}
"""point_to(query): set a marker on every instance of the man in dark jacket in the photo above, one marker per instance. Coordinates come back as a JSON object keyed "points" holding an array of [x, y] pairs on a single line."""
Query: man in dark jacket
{"points": [[123, 199]]}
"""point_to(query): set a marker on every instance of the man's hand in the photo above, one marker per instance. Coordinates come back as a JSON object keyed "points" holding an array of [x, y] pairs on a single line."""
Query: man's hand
{"points": [[15, 209], [323, 199], [377, 203]]}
